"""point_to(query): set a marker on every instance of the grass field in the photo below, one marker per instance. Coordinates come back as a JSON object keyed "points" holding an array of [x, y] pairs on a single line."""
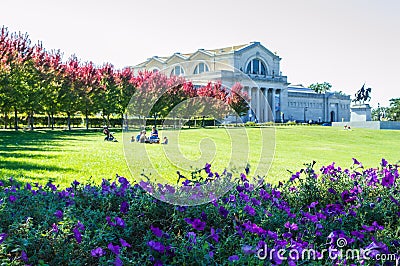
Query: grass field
{"points": [[65, 156]]}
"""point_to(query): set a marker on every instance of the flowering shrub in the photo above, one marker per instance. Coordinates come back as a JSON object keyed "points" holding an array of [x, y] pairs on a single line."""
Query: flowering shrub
{"points": [[120, 223]]}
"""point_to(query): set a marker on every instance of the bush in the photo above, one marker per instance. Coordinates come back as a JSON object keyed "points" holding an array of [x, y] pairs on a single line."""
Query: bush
{"points": [[250, 124], [118, 222]]}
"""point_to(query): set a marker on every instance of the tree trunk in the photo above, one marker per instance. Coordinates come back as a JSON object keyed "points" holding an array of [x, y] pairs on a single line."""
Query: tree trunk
{"points": [[5, 120], [124, 123], [15, 119], [69, 120], [52, 120], [31, 120], [87, 119], [48, 119], [108, 120]]}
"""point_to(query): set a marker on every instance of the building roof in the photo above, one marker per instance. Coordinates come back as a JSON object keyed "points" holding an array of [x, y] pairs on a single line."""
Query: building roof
{"points": [[210, 52], [300, 88]]}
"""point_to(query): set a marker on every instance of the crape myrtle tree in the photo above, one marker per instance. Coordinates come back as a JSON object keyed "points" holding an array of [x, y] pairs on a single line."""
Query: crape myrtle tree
{"points": [[238, 100], [106, 97], [15, 71], [49, 66], [89, 84], [125, 81], [172, 92], [68, 95]]}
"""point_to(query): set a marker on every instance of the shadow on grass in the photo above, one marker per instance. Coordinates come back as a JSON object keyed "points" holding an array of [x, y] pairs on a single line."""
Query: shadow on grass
{"points": [[24, 153]]}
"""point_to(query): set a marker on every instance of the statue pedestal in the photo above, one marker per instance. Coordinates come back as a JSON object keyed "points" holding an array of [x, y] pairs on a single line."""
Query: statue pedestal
{"points": [[360, 113]]}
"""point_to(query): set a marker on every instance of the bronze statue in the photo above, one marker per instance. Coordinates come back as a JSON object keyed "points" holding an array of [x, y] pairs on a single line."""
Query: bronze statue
{"points": [[362, 95]]}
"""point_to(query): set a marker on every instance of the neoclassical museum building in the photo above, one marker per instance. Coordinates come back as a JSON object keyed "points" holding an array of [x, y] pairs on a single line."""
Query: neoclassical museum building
{"points": [[273, 98]]}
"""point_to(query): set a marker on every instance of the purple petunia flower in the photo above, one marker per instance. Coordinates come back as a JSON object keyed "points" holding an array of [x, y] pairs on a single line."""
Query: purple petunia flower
{"points": [[357, 234], [253, 228], [157, 246], [124, 207], [294, 177], [355, 161], [97, 252], [292, 226], [3, 237], [58, 214], [156, 231], [77, 235], [244, 197], [332, 191], [384, 162], [247, 249], [203, 216], [181, 208], [80, 226], [233, 258], [12, 198], [119, 221], [313, 204], [124, 243], [54, 228], [250, 210], [224, 212], [214, 235], [255, 202], [114, 249], [118, 261], [196, 223], [388, 179], [24, 256], [192, 237]]}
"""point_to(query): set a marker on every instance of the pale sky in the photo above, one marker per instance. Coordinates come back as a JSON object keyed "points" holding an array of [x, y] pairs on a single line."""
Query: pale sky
{"points": [[343, 42]]}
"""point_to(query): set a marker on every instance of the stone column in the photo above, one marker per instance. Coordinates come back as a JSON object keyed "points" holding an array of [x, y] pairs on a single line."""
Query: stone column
{"points": [[264, 104], [251, 99], [273, 105], [258, 105]]}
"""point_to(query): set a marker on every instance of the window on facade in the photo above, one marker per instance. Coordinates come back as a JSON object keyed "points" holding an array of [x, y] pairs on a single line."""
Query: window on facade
{"points": [[155, 70], [200, 68], [256, 66], [177, 71]]}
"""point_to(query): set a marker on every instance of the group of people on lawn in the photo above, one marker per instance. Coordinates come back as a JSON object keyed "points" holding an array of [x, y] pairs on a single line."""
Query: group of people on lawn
{"points": [[142, 138]]}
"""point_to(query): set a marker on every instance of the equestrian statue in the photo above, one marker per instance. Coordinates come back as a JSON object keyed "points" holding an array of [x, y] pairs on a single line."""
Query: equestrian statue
{"points": [[362, 95]]}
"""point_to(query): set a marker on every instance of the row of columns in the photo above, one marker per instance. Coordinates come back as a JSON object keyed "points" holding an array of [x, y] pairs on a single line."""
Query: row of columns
{"points": [[262, 103]]}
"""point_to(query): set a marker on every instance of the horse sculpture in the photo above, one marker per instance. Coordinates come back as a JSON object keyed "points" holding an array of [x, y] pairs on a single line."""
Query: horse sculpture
{"points": [[362, 95]]}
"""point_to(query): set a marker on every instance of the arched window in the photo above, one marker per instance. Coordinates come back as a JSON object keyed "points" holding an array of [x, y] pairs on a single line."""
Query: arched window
{"points": [[177, 71], [256, 66], [200, 68]]}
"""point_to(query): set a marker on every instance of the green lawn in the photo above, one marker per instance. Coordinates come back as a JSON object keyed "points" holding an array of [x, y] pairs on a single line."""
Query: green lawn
{"points": [[64, 156]]}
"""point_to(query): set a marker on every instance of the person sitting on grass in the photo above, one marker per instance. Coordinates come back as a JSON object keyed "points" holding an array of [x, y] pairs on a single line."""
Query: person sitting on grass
{"points": [[154, 135], [143, 138], [165, 140], [106, 132]]}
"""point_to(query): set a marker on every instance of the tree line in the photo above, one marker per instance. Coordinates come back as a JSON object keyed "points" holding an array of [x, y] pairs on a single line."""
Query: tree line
{"points": [[36, 81]]}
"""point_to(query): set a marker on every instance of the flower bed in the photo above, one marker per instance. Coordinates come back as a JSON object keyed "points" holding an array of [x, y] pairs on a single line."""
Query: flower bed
{"points": [[323, 216]]}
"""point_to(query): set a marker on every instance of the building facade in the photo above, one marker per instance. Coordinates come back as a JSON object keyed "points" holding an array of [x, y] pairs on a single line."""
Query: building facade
{"points": [[258, 70]]}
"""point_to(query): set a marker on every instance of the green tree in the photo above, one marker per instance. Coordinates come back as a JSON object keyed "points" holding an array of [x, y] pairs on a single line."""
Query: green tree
{"points": [[393, 111], [321, 87]]}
